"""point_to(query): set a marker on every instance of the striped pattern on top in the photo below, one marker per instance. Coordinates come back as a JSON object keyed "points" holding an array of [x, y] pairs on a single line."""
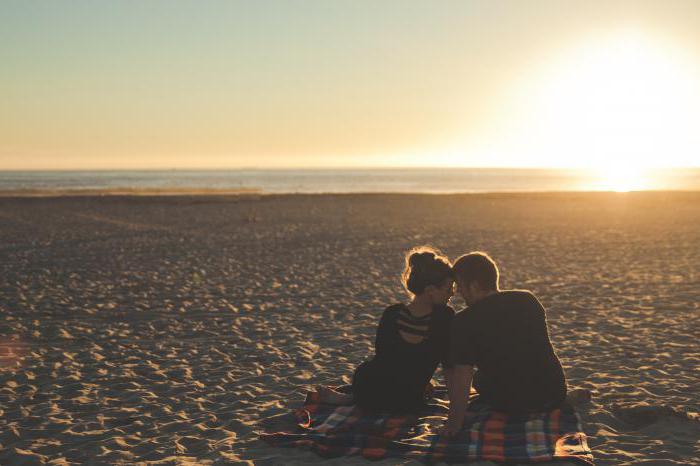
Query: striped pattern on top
{"points": [[411, 328]]}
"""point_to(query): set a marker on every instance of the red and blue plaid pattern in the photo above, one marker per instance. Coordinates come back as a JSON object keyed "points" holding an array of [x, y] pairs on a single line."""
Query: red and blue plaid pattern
{"points": [[333, 431]]}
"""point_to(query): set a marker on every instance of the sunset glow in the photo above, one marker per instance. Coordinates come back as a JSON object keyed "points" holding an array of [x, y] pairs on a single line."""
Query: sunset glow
{"points": [[624, 100], [470, 84], [617, 105], [621, 178]]}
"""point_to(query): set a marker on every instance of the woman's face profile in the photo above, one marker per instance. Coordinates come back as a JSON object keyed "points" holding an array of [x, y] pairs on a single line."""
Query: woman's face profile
{"points": [[441, 294]]}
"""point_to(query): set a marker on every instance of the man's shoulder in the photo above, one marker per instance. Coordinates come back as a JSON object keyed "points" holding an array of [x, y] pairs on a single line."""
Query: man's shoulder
{"points": [[518, 297], [522, 301], [505, 301], [517, 294]]}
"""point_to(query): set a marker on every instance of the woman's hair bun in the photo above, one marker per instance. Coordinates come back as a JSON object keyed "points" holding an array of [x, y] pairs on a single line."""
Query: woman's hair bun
{"points": [[425, 266], [418, 259]]}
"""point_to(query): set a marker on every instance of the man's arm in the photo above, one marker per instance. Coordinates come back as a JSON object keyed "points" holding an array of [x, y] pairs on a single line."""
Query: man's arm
{"points": [[461, 382]]}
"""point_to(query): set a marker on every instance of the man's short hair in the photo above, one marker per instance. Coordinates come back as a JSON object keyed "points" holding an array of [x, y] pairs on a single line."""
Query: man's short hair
{"points": [[477, 267]]}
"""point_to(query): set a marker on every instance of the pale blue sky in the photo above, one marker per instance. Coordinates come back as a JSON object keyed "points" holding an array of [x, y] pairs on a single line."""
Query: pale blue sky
{"points": [[162, 84]]}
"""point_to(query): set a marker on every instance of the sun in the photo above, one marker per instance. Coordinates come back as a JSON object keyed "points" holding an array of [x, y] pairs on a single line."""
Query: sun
{"points": [[620, 178], [622, 103], [618, 105]]}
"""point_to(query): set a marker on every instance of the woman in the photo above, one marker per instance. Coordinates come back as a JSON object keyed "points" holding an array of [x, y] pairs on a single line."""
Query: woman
{"points": [[412, 339]]}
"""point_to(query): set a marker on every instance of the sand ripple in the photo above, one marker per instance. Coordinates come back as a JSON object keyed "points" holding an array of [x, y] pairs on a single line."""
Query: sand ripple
{"points": [[171, 330]]}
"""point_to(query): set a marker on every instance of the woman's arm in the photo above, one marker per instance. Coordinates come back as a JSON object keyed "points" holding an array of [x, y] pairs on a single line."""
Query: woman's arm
{"points": [[385, 329]]}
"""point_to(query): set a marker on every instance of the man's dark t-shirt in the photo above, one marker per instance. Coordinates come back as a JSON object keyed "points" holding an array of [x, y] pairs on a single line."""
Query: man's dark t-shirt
{"points": [[505, 336]]}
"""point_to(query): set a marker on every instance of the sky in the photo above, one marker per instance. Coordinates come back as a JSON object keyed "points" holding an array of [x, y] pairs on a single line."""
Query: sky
{"points": [[333, 83]]}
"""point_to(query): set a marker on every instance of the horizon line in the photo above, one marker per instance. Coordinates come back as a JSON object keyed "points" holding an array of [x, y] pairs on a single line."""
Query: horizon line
{"points": [[331, 168]]}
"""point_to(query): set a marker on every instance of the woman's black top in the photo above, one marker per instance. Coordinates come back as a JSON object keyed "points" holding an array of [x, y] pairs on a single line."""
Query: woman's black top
{"points": [[396, 377]]}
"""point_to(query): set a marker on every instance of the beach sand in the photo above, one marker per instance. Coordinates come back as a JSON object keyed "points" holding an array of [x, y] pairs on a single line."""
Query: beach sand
{"points": [[173, 329]]}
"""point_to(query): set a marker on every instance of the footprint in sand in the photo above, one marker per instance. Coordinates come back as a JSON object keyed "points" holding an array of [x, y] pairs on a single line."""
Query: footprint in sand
{"points": [[644, 415]]}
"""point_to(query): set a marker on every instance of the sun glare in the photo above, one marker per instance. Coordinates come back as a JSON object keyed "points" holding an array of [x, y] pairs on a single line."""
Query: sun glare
{"points": [[624, 101], [620, 178], [618, 105]]}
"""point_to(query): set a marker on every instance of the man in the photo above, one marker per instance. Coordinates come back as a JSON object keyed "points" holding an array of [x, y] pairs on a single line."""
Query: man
{"points": [[503, 334]]}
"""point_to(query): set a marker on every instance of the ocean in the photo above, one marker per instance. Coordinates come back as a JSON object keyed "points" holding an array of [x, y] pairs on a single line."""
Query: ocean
{"points": [[403, 180]]}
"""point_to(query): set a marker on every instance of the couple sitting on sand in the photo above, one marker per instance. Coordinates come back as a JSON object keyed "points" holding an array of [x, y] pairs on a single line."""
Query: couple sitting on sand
{"points": [[499, 344]]}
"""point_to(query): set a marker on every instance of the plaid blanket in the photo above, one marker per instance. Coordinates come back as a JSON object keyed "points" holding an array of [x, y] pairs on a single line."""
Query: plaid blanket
{"points": [[333, 431]]}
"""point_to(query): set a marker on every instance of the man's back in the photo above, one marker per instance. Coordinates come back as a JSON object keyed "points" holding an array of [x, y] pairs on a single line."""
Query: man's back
{"points": [[505, 335]]}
